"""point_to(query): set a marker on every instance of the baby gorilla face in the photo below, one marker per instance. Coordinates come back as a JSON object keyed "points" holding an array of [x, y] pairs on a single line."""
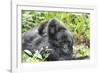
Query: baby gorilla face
{"points": [[63, 39]]}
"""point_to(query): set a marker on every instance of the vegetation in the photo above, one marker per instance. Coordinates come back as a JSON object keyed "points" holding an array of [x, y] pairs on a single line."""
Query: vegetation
{"points": [[77, 23]]}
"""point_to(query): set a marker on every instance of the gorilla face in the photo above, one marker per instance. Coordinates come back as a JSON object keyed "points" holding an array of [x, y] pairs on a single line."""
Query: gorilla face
{"points": [[52, 34], [63, 40]]}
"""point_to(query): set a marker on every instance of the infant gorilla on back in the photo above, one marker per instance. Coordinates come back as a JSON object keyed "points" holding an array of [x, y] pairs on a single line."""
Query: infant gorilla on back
{"points": [[51, 34]]}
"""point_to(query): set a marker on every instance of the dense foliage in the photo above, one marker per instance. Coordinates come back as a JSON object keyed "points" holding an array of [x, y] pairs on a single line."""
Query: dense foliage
{"points": [[77, 23]]}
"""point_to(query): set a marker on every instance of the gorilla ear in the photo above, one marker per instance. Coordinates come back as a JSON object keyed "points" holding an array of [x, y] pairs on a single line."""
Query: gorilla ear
{"points": [[42, 28]]}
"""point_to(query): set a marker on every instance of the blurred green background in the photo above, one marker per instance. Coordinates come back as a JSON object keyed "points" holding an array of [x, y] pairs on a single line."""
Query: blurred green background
{"points": [[77, 23]]}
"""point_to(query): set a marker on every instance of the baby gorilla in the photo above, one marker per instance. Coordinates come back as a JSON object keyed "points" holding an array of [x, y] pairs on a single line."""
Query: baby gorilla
{"points": [[51, 34]]}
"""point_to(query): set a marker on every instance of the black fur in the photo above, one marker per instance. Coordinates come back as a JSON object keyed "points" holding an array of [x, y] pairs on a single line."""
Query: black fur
{"points": [[50, 34]]}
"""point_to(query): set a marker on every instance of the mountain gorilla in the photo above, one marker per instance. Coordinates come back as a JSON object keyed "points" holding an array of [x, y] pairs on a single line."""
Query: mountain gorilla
{"points": [[53, 35]]}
